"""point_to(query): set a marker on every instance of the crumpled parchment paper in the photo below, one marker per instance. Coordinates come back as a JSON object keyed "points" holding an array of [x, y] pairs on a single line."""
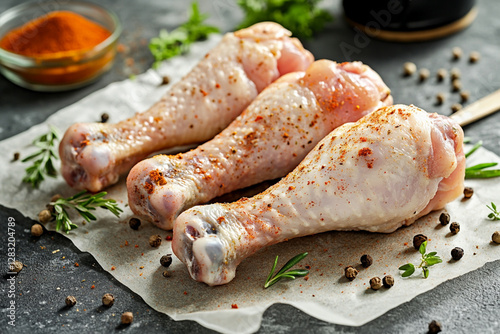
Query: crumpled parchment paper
{"points": [[325, 294]]}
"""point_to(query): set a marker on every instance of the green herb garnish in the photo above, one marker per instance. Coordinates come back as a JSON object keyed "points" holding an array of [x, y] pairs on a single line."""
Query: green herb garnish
{"points": [[83, 203], [283, 273], [479, 171], [170, 44], [428, 260], [494, 215], [43, 164], [302, 17]]}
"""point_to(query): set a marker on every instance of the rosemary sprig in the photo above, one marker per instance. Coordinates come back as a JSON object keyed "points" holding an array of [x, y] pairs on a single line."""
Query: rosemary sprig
{"points": [[494, 214], [282, 273], [479, 171], [83, 203], [44, 163], [170, 44], [427, 261]]}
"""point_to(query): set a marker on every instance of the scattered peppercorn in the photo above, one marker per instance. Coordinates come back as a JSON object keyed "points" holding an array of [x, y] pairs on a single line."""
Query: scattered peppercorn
{"points": [[16, 266], [155, 240], [444, 218], [388, 281], [165, 80], [456, 85], [474, 56], [166, 260], [455, 73], [464, 96], [36, 230], [70, 301], [127, 318], [16, 156], [457, 253], [134, 223], [454, 228], [409, 68], [418, 240], [442, 74], [375, 283], [55, 197], [434, 327], [350, 273], [366, 261], [468, 192], [440, 98], [423, 74], [457, 52], [166, 273], [496, 237], [104, 117], [44, 216], [456, 107], [108, 300]]}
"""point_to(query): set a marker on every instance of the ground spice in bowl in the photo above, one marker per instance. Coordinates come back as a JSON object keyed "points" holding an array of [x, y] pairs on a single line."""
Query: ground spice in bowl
{"points": [[53, 33], [59, 50]]}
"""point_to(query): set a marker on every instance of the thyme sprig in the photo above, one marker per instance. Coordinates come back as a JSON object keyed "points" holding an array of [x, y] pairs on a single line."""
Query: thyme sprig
{"points": [[479, 171], [82, 203], [170, 44], [43, 160], [494, 214], [283, 273], [428, 260]]}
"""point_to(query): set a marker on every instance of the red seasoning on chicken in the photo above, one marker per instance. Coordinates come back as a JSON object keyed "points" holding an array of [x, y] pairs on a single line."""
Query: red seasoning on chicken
{"points": [[386, 170], [205, 101], [265, 142]]}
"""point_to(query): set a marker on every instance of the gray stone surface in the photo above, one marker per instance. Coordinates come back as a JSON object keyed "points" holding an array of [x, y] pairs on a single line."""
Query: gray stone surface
{"points": [[468, 304]]}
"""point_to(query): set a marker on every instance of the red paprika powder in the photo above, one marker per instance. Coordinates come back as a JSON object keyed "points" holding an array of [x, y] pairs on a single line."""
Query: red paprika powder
{"points": [[53, 33]]}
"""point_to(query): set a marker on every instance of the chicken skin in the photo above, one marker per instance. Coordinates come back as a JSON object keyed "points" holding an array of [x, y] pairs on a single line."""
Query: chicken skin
{"points": [[384, 171], [205, 101], [265, 142]]}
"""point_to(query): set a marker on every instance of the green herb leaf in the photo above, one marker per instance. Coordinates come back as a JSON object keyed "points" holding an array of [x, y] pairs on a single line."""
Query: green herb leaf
{"points": [[474, 148], [43, 165], [170, 44], [302, 17], [82, 203], [408, 268], [422, 248], [494, 215], [425, 270], [432, 260], [283, 273]]}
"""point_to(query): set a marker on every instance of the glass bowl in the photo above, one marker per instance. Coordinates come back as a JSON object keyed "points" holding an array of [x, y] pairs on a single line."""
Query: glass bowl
{"points": [[63, 70]]}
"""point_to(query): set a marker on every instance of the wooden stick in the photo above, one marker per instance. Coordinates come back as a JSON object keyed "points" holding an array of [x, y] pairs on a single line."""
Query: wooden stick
{"points": [[479, 109]]}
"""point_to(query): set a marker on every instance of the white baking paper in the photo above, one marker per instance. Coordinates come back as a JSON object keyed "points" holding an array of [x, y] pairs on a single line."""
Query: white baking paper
{"points": [[238, 306]]}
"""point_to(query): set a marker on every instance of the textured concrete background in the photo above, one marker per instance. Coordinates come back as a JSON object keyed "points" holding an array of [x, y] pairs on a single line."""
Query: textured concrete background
{"points": [[468, 304]]}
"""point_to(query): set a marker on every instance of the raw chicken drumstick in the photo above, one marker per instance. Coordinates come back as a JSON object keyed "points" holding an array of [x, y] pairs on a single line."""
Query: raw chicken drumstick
{"points": [[265, 142], [384, 171], [205, 101]]}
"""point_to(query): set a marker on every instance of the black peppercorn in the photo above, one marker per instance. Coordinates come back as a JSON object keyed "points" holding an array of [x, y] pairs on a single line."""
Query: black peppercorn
{"points": [[165, 80], [444, 218], [155, 240], [375, 283], [350, 273], [70, 301], [104, 117], [108, 300], [127, 318], [454, 228], [418, 240], [366, 261], [388, 281], [468, 192], [434, 327], [16, 156], [134, 223], [166, 260], [457, 253]]}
